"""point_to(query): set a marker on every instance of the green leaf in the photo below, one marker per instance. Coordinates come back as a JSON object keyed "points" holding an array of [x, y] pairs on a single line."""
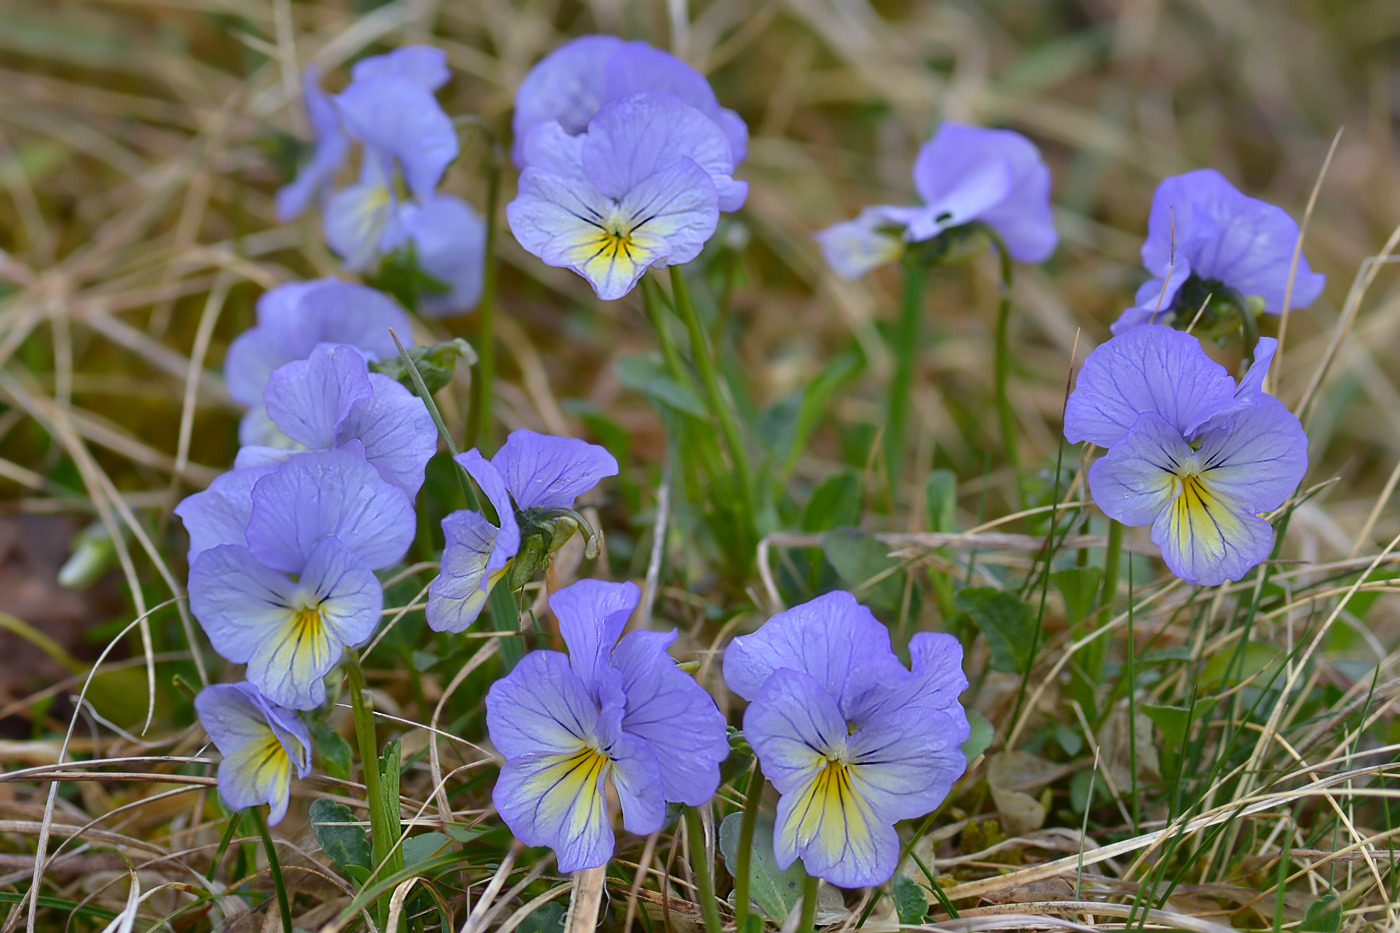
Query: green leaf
{"points": [[333, 749], [1007, 623], [1080, 588], [548, 919], [1323, 916], [1172, 720], [941, 500], [909, 901], [346, 844], [465, 833], [436, 364], [838, 371], [835, 503], [400, 275], [420, 848], [1069, 739], [980, 736], [860, 558], [775, 892], [645, 373]]}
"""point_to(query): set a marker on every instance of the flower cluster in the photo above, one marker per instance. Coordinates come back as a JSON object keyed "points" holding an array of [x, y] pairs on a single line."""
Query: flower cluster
{"points": [[612, 712], [852, 739], [1190, 453], [964, 175], [1206, 239], [405, 138], [627, 161]]}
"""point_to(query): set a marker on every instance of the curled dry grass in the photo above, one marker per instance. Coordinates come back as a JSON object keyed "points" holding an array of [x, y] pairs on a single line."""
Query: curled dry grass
{"points": [[138, 229]]}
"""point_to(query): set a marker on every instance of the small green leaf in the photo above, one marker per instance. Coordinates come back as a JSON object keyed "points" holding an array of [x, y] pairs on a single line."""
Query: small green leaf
{"points": [[1080, 588], [645, 373], [1007, 623], [1323, 915], [333, 749], [941, 499], [909, 901], [548, 919], [1172, 720], [420, 848], [436, 364], [775, 892], [464, 833], [835, 503], [980, 737], [345, 843], [1069, 740], [859, 559]]}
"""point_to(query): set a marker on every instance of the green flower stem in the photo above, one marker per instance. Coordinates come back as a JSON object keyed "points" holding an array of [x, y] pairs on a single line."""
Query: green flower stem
{"points": [[1002, 366], [479, 406], [382, 837], [468, 490], [905, 344], [704, 875], [1111, 560], [283, 905], [656, 314], [719, 406], [809, 905], [747, 825]]}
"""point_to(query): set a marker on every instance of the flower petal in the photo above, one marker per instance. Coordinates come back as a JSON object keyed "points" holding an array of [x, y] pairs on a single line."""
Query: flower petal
{"points": [[540, 707], [219, 514], [1256, 456], [854, 247], [396, 430], [399, 117], [1149, 368], [547, 472], [460, 590], [507, 543], [421, 64], [592, 615], [558, 800], [635, 771], [834, 638], [676, 717], [794, 724], [567, 85], [356, 224], [323, 493], [262, 746], [238, 601], [308, 399], [1208, 537], [332, 148], [1140, 474], [449, 241]]}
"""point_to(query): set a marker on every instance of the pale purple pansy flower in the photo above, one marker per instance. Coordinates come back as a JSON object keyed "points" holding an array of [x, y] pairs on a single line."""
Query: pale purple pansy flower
{"points": [[642, 187], [449, 242], [299, 586], [613, 712], [965, 174], [1191, 454], [263, 745], [331, 399], [1202, 226], [292, 320], [571, 84], [853, 741], [531, 473]]}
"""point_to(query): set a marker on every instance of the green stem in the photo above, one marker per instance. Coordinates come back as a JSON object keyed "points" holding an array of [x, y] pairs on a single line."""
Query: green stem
{"points": [[381, 836], [1249, 326], [479, 406], [1002, 366], [284, 906], [809, 905], [747, 824], [468, 491], [700, 866], [1112, 559], [905, 345], [656, 314], [719, 406]]}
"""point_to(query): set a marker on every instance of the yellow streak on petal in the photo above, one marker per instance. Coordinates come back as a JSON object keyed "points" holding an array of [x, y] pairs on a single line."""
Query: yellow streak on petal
{"points": [[568, 790], [1201, 521], [830, 812]]}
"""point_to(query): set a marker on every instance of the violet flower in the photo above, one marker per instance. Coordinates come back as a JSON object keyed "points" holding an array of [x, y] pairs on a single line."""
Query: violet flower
{"points": [[263, 745]]}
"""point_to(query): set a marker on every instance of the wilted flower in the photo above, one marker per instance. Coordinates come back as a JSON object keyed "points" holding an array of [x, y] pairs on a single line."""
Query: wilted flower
{"points": [[296, 586], [535, 474], [1205, 237], [262, 744], [853, 740], [331, 399], [1189, 452], [293, 319], [642, 187], [572, 83], [611, 712], [965, 174]]}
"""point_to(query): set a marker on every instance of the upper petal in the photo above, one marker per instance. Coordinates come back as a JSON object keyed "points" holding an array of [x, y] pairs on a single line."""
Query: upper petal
{"points": [[567, 85], [397, 432], [544, 471], [592, 615], [421, 64], [400, 118], [1146, 369], [460, 590], [332, 147], [833, 638], [323, 493], [309, 398], [507, 542]]}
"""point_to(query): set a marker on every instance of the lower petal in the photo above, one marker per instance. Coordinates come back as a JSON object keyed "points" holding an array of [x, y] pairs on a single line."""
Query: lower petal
{"points": [[259, 772], [1207, 537], [835, 831], [355, 220], [557, 800], [612, 263], [290, 663]]}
